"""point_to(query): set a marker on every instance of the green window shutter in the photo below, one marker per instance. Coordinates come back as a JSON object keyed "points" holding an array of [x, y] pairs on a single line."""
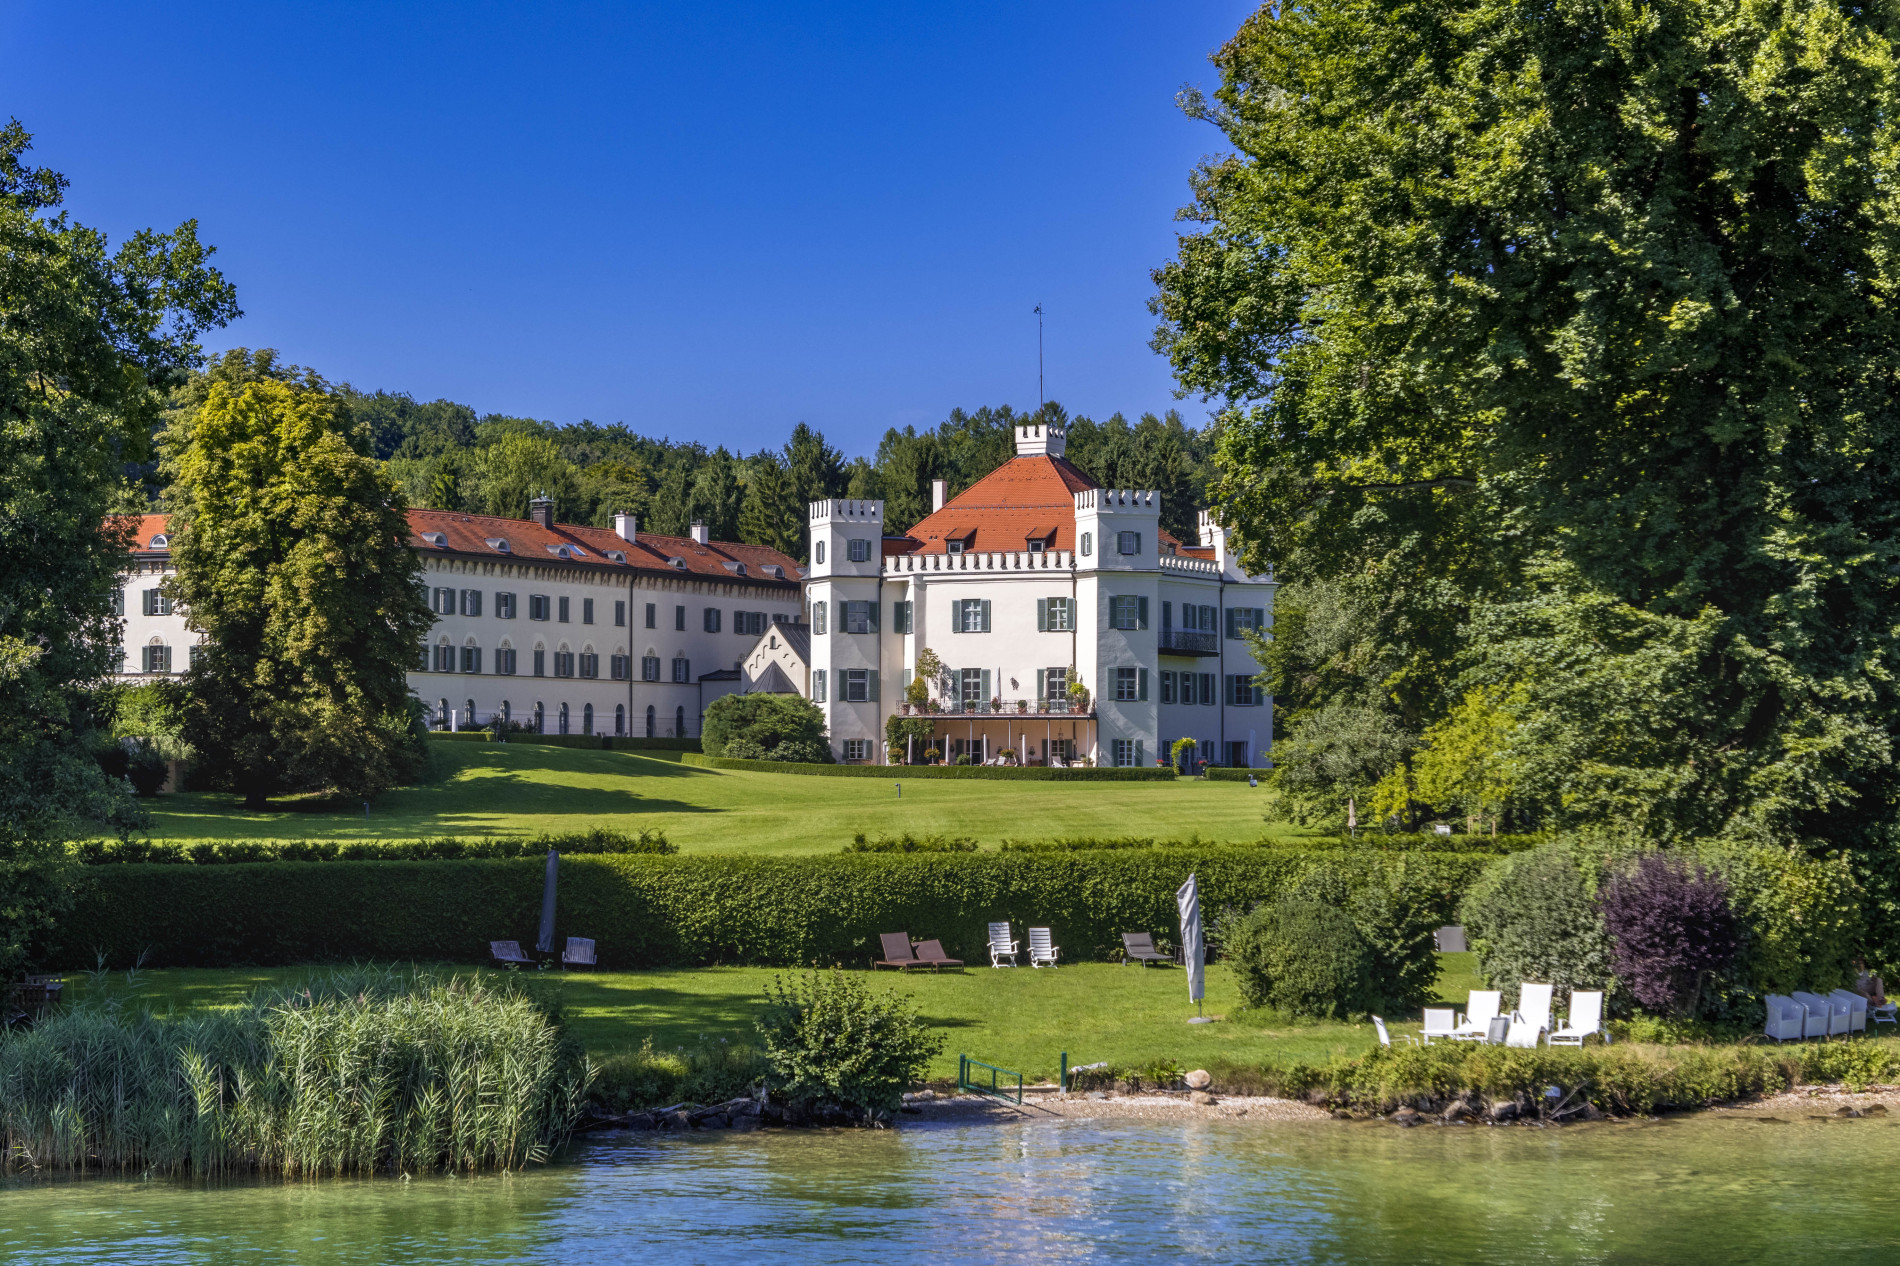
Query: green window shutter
{"points": [[1140, 760], [1231, 679], [986, 617], [1042, 615], [1141, 612], [1141, 685], [870, 686], [1233, 625], [986, 679], [871, 610], [1042, 688], [1260, 617]]}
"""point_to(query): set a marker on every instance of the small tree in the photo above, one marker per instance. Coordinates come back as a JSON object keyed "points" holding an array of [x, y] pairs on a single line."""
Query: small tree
{"points": [[830, 1040], [1302, 957], [766, 727], [1670, 928], [909, 737], [1183, 752], [1533, 916]]}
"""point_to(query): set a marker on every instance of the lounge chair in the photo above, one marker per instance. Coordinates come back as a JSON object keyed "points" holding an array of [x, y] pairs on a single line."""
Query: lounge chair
{"points": [[508, 954], [1884, 1012], [1002, 946], [1533, 1005], [1449, 940], [579, 953], [1139, 947], [1439, 1022], [897, 952], [1786, 1019], [1523, 1033], [1821, 1015], [1856, 1005], [1482, 1008], [930, 954], [1585, 1018], [1041, 952], [1385, 1039]]}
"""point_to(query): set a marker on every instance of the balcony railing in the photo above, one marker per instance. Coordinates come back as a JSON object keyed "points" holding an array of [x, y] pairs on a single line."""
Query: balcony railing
{"points": [[1181, 642], [1006, 708]]}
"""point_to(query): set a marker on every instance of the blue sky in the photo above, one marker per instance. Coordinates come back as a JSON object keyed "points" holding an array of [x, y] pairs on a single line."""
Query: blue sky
{"points": [[705, 220]]}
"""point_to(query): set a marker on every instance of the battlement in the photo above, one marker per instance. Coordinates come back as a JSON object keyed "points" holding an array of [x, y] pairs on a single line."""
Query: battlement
{"points": [[844, 510], [1037, 439], [1117, 500]]}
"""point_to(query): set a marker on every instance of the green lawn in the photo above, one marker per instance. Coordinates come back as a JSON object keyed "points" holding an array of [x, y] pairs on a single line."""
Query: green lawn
{"points": [[1018, 1018], [527, 789]]}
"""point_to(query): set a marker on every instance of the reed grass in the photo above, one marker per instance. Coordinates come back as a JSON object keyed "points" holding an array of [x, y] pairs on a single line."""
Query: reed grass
{"points": [[364, 1073]]}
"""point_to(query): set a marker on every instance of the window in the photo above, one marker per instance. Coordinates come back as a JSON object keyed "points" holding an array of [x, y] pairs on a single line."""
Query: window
{"points": [[422, 658], [587, 610], [620, 719], [972, 615], [859, 549], [860, 617], [587, 718], [540, 716], [679, 722], [156, 603], [619, 666], [1052, 683], [1088, 544], [118, 600], [504, 606], [1187, 687], [540, 662], [818, 618], [679, 618], [564, 663], [506, 713], [1128, 752], [860, 685], [653, 729], [565, 618], [444, 658], [818, 552], [649, 668], [974, 686], [818, 686], [1207, 690], [1038, 544], [749, 623], [1241, 619], [901, 618], [620, 613], [471, 602], [1242, 692], [1167, 617], [682, 669], [1167, 687], [712, 619], [590, 664], [1131, 685], [537, 606], [1128, 612], [471, 659], [856, 749], [955, 547], [442, 602], [1053, 615], [653, 617], [1128, 542], [158, 659], [564, 718], [505, 661]]}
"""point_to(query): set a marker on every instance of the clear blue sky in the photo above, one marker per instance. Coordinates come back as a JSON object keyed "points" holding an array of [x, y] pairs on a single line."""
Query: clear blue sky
{"points": [[704, 220]]}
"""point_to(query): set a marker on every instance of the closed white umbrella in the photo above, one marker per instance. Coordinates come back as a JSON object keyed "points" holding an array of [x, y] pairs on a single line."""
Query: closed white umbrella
{"points": [[546, 943], [1189, 900]]}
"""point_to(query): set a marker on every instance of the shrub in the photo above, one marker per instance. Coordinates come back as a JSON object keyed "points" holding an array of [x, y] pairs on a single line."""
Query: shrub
{"points": [[1670, 927], [1395, 909], [1301, 957], [908, 843], [830, 1040], [217, 852], [766, 727], [1800, 920], [630, 1081], [146, 769], [1533, 916]]}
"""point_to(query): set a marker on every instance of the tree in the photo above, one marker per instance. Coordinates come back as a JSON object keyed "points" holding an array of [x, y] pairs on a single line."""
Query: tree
{"points": [[816, 472], [516, 468], [717, 494], [1670, 929], [1624, 277], [766, 727], [293, 560], [771, 514]]}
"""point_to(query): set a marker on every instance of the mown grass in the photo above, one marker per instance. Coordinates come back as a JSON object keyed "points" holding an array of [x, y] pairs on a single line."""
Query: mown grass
{"points": [[528, 789]]}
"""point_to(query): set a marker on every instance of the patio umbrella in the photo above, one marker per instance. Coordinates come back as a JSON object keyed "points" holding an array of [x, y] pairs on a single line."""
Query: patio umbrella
{"points": [[1189, 900], [546, 943]]}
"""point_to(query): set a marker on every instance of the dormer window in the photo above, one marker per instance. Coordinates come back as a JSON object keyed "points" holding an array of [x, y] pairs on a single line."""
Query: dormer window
{"points": [[676, 561], [773, 570], [438, 539], [567, 551], [955, 546], [737, 569], [500, 545], [616, 556], [161, 541]]}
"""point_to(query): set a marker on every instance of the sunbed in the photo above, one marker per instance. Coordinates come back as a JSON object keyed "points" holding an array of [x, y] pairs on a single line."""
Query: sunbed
{"points": [[579, 953], [1482, 1008], [897, 952], [930, 954], [1139, 947], [1585, 1018], [508, 954]]}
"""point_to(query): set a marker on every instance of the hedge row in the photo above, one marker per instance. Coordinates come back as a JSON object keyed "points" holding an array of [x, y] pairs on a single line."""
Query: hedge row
{"points": [[446, 848], [1413, 842], [1006, 773], [1221, 773], [591, 742], [679, 911]]}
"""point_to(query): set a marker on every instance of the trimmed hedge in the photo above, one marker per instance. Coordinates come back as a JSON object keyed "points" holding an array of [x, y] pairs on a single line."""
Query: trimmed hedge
{"points": [[1005, 773], [1223, 773], [229, 852], [1417, 842], [590, 742], [677, 911]]}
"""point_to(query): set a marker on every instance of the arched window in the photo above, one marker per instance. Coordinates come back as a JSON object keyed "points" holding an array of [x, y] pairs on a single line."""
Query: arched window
{"points": [[468, 714], [564, 718], [442, 714], [506, 713], [540, 719], [679, 722], [158, 656], [620, 720], [587, 718], [652, 728], [444, 656]]}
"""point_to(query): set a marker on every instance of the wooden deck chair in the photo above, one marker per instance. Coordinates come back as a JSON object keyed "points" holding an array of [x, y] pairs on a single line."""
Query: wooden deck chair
{"points": [[930, 954], [1002, 946], [897, 952], [1041, 952]]}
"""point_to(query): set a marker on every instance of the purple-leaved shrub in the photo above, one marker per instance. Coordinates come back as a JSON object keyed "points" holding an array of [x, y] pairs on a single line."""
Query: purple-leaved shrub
{"points": [[1670, 927]]}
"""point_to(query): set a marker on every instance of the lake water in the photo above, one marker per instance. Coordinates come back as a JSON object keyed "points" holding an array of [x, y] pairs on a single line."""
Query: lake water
{"points": [[1693, 1190]]}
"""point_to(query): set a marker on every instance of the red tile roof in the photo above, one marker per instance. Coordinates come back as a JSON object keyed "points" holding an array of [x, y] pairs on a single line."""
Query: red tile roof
{"points": [[143, 528], [1024, 497], [528, 541]]}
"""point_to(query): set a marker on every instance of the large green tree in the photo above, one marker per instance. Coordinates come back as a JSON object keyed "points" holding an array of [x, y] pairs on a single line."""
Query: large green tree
{"points": [[293, 560], [1626, 275]]}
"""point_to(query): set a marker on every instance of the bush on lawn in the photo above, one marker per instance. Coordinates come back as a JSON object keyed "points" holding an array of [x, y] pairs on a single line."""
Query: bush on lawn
{"points": [[1534, 916], [1670, 929], [633, 1081], [652, 911], [217, 852], [908, 843], [830, 1039], [1395, 907], [1302, 957], [766, 727]]}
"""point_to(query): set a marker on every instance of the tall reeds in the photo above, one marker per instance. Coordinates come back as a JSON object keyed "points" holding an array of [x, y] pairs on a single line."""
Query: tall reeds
{"points": [[360, 1074]]}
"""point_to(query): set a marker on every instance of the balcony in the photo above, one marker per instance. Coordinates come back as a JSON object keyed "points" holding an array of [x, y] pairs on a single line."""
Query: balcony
{"points": [[1182, 642], [1004, 708]]}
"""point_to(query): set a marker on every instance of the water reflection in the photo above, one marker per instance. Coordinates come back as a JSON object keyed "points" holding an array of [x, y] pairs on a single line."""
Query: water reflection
{"points": [[1061, 1191]]}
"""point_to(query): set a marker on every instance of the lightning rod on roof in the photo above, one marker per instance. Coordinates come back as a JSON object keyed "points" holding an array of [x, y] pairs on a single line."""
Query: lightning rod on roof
{"points": [[1039, 400]]}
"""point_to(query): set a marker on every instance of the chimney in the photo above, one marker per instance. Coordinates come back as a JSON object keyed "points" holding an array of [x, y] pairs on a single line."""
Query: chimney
{"points": [[624, 528], [938, 488], [541, 510], [700, 534]]}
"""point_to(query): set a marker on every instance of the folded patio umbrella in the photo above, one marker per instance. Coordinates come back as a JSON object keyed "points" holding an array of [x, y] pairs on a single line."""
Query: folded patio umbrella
{"points": [[546, 943]]}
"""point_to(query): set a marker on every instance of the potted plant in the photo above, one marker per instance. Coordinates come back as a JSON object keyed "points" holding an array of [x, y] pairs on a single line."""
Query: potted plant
{"points": [[1022, 705], [932, 756], [1078, 697]]}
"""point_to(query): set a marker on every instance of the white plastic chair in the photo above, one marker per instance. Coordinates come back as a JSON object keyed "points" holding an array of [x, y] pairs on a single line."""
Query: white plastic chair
{"points": [[1041, 952], [1522, 1033], [1820, 1021], [1483, 1007], [1002, 946], [1885, 1013], [1385, 1039], [1786, 1019], [1856, 1005], [1533, 1005], [1585, 1018], [1439, 1022]]}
